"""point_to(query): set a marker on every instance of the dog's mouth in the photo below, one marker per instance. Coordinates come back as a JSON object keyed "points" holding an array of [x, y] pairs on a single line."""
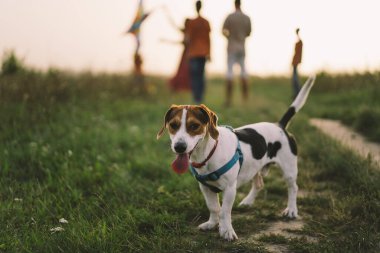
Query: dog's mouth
{"points": [[181, 163]]}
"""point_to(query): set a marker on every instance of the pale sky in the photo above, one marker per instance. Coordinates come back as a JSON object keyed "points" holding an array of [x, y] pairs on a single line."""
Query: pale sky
{"points": [[338, 35]]}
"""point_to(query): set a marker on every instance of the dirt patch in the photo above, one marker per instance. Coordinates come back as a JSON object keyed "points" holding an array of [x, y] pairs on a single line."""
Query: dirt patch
{"points": [[281, 227], [287, 229], [349, 138]]}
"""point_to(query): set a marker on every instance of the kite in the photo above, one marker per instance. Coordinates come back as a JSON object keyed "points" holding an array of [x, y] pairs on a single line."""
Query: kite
{"points": [[135, 27]]}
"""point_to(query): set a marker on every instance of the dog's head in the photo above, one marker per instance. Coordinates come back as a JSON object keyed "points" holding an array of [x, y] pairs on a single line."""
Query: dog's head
{"points": [[187, 125]]}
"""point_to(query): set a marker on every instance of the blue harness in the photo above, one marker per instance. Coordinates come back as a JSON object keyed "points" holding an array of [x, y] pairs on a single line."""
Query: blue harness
{"points": [[213, 176]]}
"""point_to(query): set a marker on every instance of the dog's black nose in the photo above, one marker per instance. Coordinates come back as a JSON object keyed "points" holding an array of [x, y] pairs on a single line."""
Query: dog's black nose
{"points": [[180, 147]]}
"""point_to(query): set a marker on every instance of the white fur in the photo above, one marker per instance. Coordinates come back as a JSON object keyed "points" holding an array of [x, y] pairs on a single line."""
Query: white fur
{"points": [[303, 94], [249, 172]]}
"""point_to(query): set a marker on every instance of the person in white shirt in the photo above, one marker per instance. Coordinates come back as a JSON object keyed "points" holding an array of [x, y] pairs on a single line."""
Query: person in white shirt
{"points": [[236, 28]]}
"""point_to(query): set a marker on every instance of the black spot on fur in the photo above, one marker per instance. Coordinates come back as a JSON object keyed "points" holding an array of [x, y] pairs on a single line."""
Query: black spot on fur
{"points": [[287, 116], [253, 138], [292, 143], [273, 148]]}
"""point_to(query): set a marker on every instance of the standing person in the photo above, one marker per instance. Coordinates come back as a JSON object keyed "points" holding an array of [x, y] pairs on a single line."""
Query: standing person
{"points": [[138, 74], [181, 80], [199, 51], [296, 61], [236, 28]]}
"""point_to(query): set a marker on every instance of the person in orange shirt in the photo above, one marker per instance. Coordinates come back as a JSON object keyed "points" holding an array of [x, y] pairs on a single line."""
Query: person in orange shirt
{"points": [[199, 50], [296, 61]]}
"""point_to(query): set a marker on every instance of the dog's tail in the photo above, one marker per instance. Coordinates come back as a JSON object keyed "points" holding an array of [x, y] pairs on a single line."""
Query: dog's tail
{"points": [[297, 103]]}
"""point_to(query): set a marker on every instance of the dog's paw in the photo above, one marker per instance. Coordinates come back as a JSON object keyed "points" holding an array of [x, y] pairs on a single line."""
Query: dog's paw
{"points": [[207, 225], [290, 212], [228, 233]]}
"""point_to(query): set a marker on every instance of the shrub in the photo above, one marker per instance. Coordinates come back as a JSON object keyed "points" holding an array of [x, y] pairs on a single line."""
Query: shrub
{"points": [[11, 64], [368, 122]]}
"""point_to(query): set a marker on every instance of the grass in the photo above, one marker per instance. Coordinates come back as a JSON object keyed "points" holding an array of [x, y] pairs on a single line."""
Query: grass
{"points": [[351, 98], [82, 147]]}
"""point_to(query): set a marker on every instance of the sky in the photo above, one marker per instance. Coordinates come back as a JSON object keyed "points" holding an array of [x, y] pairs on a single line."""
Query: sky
{"points": [[89, 35]]}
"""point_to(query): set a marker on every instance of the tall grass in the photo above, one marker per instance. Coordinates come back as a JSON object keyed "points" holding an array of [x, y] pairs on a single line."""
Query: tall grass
{"points": [[346, 81], [351, 98]]}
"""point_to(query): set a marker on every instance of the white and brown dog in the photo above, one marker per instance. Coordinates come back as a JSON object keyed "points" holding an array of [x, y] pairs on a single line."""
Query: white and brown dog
{"points": [[223, 159]]}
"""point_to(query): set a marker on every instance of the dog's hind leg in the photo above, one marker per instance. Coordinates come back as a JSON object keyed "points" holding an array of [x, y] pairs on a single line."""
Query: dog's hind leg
{"points": [[290, 171], [257, 185], [212, 201]]}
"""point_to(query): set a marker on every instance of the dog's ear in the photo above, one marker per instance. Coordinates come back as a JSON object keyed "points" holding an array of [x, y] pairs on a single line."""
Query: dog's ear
{"points": [[166, 119], [212, 121]]}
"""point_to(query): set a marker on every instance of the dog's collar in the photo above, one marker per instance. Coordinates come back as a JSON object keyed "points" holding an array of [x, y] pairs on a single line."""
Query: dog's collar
{"points": [[199, 165]]}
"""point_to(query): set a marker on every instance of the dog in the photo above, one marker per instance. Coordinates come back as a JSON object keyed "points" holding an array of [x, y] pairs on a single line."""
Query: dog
{"points": [[222, 159]]}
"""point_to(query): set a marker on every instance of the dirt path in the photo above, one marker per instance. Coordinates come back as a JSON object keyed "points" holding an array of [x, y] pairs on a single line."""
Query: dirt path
{"points": [[349, 138]]}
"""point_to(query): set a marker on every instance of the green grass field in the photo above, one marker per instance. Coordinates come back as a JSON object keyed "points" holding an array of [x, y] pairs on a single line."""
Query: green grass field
{"points": [[83, 147]]}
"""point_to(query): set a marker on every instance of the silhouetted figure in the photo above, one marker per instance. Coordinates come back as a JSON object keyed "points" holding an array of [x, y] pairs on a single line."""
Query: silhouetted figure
{"points": [[181, 80], [236, 28], [138, 64], [296, 61], [199, 51], [138, 75]]}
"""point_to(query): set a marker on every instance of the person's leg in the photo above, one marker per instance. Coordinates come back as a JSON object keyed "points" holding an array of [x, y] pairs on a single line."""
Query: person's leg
{"points": [[295, 82], [244, 88], [196, 77], [243, 77], [193, 75], [202, 83], [229, 77]]}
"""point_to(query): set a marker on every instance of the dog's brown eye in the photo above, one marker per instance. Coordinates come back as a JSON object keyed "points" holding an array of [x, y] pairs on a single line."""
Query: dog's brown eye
{"points": [[174, 125], [194, 126]]}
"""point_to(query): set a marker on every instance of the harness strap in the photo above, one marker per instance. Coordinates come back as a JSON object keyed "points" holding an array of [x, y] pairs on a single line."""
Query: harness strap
{"points": [[202, 179], [238, 149], [213, 176]]}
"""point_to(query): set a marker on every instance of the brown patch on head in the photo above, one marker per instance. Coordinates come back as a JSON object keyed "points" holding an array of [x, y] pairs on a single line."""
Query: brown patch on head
{"points": [[213, 122], [198, 120], [207, 119], [172, 120], [174, 123]]}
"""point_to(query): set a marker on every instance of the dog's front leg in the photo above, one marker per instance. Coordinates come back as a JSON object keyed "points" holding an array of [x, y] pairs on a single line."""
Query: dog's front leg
{"points": [[225, 225], [213, 205]]}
